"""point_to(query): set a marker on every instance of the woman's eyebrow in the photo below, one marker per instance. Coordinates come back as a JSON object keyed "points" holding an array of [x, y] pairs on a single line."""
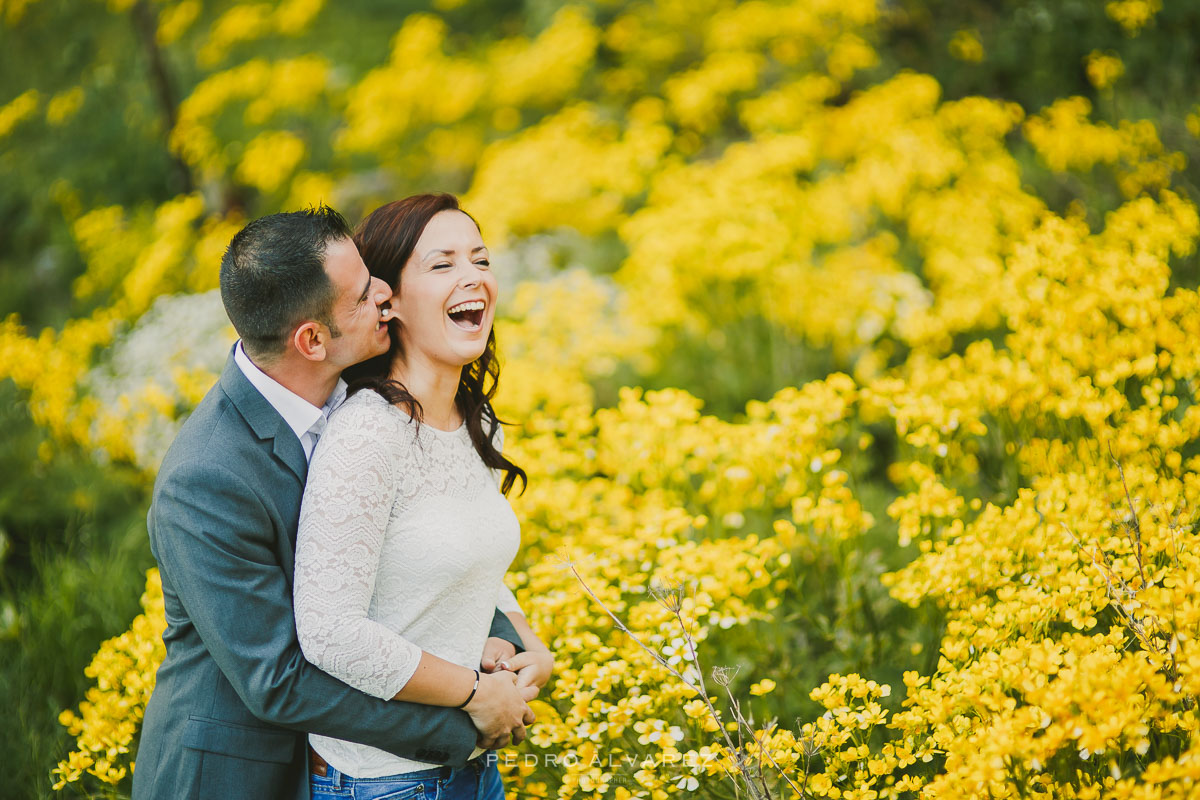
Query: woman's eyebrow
{"points": [[452, 252]]}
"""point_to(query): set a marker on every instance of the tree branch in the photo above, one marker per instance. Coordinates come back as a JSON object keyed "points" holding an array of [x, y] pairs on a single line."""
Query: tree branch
{"points": [[145, 25]]}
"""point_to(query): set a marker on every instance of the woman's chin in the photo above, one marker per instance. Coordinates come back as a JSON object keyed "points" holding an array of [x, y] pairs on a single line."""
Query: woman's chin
{"points": [[470, 355], [470, 345], [471, 359]]}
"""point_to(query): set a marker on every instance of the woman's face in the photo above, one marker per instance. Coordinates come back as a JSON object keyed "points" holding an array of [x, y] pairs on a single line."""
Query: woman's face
{"points": [[447, 294]]}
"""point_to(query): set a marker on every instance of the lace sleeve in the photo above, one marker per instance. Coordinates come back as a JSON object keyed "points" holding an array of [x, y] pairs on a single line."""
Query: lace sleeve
{"points": [[506, 601], [344, 517]]}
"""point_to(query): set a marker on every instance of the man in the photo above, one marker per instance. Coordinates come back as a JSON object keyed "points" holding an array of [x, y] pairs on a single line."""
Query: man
{"points": [[234, 695]]}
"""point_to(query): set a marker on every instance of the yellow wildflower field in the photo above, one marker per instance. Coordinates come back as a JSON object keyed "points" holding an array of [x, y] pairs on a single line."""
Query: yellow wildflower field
{"points": [[982, 418]]}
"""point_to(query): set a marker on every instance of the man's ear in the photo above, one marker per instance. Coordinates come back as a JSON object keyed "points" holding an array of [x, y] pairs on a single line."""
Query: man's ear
{"points": [[309, 341]]}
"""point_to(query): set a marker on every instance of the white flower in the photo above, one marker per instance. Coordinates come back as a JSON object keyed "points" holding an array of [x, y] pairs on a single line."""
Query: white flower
{"points": [[187, 332]]}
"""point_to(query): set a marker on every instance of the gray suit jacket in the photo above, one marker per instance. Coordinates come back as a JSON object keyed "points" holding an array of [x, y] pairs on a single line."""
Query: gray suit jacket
{"points": [[234, 695]]}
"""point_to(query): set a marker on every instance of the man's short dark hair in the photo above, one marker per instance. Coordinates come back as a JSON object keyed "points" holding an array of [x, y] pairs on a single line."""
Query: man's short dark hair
{"points": [[273, 276]]}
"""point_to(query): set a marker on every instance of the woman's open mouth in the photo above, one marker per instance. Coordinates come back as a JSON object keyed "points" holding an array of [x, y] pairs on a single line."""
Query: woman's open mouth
{"points": [[468, 315]]}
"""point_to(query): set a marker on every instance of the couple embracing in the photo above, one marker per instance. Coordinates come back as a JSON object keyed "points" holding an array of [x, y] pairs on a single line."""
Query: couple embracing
{"points": [[331, 527]]}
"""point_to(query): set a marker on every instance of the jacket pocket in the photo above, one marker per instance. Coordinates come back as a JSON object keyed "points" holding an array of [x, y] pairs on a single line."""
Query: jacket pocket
{"points": [[229, 739]]}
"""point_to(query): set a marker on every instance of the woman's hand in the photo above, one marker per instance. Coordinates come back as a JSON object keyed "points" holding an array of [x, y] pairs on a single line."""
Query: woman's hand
{"points": [[533, 667], [496, 650]]}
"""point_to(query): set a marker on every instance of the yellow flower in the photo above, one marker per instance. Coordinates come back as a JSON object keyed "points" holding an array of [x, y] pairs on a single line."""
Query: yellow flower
{"points": [[64, 105], [966, 45], [15, 111], [1103, 69], [270, 158], [1133, 15]]}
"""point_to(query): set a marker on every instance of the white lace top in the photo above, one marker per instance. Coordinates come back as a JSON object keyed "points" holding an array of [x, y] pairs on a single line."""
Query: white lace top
{"points": [[403, 543]]}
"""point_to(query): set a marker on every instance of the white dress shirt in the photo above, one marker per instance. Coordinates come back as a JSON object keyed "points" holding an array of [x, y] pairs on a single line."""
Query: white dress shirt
{"points": [[301, 416]]}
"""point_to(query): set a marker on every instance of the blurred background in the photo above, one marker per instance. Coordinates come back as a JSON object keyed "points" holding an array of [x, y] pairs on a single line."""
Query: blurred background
{"points": [[607, 148]]}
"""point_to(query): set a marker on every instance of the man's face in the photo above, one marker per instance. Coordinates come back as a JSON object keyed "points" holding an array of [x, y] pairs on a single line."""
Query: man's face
{"points": [[358, 298]]}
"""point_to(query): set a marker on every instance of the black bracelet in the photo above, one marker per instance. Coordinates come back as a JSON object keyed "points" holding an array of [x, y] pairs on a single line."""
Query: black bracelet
{"points": [[474, 689]]}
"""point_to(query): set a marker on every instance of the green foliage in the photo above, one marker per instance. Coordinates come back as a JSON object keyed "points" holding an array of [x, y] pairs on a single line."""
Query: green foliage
{"points": [[72, 575], [1034, 50]]}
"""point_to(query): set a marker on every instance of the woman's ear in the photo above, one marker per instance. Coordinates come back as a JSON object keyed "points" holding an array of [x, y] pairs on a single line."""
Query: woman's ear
{"points": [[309, 340], [394, 305]]}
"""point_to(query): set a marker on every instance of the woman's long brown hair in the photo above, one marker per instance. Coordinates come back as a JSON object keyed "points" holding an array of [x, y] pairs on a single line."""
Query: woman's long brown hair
{"points": [[386, 239]]}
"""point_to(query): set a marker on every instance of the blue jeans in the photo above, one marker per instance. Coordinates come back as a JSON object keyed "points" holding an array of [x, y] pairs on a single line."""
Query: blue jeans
{"points": [[478, 780]]}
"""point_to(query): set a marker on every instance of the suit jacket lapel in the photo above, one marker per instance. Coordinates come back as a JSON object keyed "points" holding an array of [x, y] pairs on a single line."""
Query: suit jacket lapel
{"points": [[289, 450], [263, 419]]}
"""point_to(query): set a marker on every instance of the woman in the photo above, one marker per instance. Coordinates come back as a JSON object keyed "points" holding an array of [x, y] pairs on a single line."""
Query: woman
{"points": [[404, 533]]}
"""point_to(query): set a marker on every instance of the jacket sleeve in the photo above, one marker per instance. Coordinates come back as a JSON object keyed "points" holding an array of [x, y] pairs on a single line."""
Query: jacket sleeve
{"points": [[503, 629], [216, 540]]}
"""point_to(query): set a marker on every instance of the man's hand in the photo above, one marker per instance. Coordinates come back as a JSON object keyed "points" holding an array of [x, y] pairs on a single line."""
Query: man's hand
{"points": [[504, 740], [496, 650], [498, 710], [533, 668]]}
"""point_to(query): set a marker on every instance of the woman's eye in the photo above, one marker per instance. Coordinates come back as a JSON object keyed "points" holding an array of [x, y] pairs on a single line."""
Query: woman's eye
{"points": [[483, 262], [442, 266]]}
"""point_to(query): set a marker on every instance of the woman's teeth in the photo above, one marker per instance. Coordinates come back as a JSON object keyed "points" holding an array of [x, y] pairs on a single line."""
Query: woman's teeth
{"points": [[468, 315], [470, 305]]}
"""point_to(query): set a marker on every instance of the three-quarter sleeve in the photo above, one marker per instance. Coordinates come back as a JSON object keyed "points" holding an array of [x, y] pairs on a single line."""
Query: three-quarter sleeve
{"points": [[344, 518], [506, 601]]}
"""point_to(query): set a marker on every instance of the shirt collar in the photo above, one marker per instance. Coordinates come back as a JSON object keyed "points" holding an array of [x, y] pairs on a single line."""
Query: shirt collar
{"points": [[299, 414]]}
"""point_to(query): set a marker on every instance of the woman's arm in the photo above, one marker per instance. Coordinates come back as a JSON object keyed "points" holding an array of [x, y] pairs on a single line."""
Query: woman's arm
{"points": [[533, 667], [532, 671]]}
